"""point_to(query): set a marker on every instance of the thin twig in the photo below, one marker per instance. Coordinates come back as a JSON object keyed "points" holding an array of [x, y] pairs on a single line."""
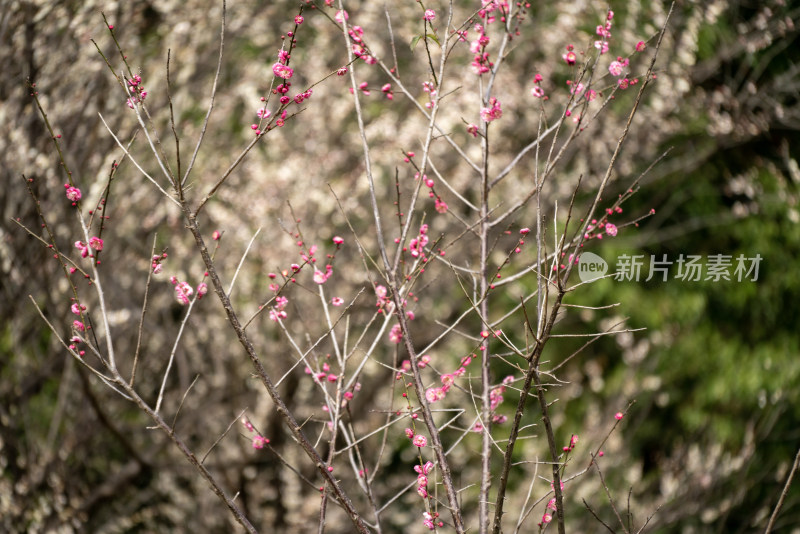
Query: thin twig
{"points": [[784, 493]]}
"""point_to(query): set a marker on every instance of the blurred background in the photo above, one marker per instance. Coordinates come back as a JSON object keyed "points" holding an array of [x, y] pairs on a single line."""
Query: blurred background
{"points": [[715, 375]]}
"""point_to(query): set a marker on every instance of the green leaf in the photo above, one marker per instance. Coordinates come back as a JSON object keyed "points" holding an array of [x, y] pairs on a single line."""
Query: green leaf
{"points": [[431, 36]]}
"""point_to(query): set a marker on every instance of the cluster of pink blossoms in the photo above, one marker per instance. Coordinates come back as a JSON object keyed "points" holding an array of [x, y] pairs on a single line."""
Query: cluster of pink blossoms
{"points": [[94, 243], [184, 292], [537, 90], [489, 7], [547, 516], [384, 302], [495, 399], [320, 277], [429, 88], [569, 57], [428, 520], [417, 245], [423, 470], [604, 32], [434, 394], [551, 504], [278, 311], [138, 94], [480, 60], [359, 50], [492, 111], [572, 442], [422, 475], [281, 69], [405, 366], [575, 259], [259, 441], [78, 326], [324, 375], [603, 226], [156, 262]]}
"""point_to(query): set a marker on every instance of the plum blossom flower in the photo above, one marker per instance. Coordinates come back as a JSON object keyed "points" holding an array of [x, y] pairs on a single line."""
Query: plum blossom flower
{"points": [[202, 289], [424, 469], [182, 292], [337, 301], [277, 315], [395, 334], [96, 243], [259, 442], [429, 15], [420, 441], [537, 92], [611, 229], [341, 16], [282, 71], [73, 193], [138, 94], [434, 394], [615, 68], [80, 245]]}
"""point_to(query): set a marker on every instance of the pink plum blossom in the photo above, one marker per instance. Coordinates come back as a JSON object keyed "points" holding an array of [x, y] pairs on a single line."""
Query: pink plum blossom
{"points": [[615, 68], [282, 71], [182, 292], [73, 193], [96, 243]]}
